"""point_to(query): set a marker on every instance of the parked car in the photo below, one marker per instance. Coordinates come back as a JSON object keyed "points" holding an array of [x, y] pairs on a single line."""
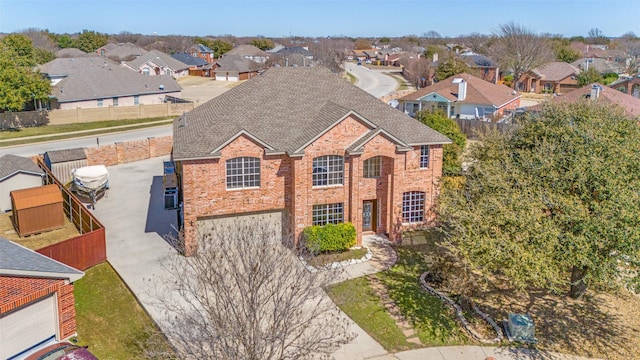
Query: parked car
{"points": [[62, 351]]}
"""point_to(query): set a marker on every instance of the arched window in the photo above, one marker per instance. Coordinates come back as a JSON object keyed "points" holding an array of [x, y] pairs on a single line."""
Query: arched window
{"points": [[413, 207], [372, 167], [328, 170], [243, 172]]}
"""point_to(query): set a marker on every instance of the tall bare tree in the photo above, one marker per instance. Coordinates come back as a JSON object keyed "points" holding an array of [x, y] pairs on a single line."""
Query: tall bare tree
{"points": [[245, 296], [519, 49]]}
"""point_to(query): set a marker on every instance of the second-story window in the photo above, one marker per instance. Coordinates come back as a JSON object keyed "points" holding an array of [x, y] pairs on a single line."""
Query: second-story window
{"points": [[243, 172], [424, 156], [328, 170], [372, 167]]}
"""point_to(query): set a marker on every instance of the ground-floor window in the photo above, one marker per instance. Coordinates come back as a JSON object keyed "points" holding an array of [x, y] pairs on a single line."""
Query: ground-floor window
{"points": [[328, 214], [413, 207]]}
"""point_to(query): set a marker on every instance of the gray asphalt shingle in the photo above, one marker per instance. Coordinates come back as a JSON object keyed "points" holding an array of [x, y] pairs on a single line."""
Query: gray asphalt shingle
{"points": [[11, 164], [16, 259], [286, 108]]}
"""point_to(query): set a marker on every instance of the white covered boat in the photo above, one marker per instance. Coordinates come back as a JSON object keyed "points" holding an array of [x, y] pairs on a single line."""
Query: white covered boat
{"points": [[90, 180]]}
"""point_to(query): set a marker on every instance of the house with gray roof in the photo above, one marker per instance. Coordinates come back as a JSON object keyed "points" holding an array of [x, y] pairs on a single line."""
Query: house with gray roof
{"points": [[299, 50], [157, 63], [36, 300], [295, 147], [16, 173], [99, 82], [235, 68], [250, 52], [121, 51], [203, 52]]}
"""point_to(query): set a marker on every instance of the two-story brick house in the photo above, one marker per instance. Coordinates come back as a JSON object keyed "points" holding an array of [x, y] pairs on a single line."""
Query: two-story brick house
{"points": [[302, 146]]}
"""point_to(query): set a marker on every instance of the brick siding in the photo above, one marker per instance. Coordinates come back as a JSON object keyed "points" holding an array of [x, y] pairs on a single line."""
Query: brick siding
{"points": [[286, 182], [16, 292]]}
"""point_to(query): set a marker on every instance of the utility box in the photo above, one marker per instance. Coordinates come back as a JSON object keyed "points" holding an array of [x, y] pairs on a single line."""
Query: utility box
{"points": [[520, 327], [37, 209]]}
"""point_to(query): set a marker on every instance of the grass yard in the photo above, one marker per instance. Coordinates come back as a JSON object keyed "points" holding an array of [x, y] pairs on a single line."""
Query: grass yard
{"points": [[53, 132], [433, 321], [361, 304], [352, 78], [324, 259], [109, 319]]}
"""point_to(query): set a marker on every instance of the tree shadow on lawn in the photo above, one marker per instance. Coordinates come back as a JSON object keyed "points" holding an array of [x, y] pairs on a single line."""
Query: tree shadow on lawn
{"points": [[599, 325]]}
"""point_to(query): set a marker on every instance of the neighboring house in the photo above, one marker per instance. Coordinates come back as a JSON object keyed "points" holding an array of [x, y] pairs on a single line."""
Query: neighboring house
{"points": [[601, 94], [202, 52], [629, 86], [483, 67], [158, 63], [92, 82], [301, 146], [121, 52], [235, 68], [553, 78], [276, 48], [16, 173], [197, 66], [463, 96], [250, 52], [37, 306], [603, 66], [296, 50]]}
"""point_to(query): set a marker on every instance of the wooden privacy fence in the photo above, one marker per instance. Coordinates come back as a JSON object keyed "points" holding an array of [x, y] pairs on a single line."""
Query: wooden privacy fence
{"points": [[85, 250], [473, 129]]}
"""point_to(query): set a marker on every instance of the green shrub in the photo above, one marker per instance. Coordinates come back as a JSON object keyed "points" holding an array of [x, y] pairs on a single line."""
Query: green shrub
{"points": [[330, 237]]}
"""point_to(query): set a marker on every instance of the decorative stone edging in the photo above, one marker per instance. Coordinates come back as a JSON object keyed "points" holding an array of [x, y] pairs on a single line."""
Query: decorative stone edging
{"points": [[339, 264], [460, 316]]}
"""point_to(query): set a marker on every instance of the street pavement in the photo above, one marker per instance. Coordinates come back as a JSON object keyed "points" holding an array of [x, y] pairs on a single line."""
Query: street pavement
{"points": [[375, 82], [136, 227]]}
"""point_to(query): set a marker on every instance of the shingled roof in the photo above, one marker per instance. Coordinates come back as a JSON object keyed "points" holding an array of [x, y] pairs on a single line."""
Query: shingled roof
{"points": [[189, 59], [246, 49], [555, 71], [606, 95], [58, 156], [17, 260], [12, 164], [478, 91], [236, 63], [158, 58], [285, 109]]}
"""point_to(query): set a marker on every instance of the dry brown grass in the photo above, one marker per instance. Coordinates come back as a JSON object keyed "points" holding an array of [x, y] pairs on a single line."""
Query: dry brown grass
{"points": [[36, 241]]}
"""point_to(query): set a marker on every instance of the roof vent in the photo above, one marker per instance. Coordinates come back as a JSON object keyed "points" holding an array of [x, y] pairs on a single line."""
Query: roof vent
{"points": [[161, 87]]}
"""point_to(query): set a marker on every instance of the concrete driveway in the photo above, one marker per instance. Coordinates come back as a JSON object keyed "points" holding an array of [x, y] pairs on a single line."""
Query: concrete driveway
{"points": [[374, 82], [137, 226]]}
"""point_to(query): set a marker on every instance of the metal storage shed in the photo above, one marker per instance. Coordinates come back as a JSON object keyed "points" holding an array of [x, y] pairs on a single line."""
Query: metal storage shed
{"points": [[17, 172], [37, 209], [61, 162]]}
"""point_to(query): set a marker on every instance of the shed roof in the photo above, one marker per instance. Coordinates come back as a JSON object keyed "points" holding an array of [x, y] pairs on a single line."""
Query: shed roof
{"points": [[36, 196], [16, 260], [58, 156], [12, 164]]}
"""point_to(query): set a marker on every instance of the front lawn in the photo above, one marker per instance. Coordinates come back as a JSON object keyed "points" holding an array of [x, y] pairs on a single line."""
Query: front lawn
{"points": [[361, 304], [109, 319]]}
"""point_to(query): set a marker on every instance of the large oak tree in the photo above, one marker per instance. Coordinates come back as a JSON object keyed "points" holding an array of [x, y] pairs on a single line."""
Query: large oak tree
{"points": [[553, 204]]}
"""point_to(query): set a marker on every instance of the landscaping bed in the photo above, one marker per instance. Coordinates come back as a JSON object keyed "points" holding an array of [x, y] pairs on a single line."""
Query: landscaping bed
{"points": [[324, 259]]}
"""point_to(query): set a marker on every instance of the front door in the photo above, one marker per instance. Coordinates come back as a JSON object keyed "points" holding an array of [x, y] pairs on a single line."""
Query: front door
{"points": [[369, 221]]}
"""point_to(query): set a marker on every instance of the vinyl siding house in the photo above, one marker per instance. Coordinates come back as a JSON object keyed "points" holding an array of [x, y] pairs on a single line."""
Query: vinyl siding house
{"points": [[297, 147], [91, 83], [462, 96]]}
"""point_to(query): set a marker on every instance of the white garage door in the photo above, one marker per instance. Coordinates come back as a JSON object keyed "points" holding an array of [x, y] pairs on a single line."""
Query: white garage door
{"points": [[27, 327], [271, 221]]}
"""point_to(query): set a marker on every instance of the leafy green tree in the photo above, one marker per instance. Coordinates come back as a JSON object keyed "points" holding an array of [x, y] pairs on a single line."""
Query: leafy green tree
{"points": [[19, 83], [554, 203], [450, 66], [263, 44], [218, 46], [42, 56], [430, 51], [64, 41], [452, 153], [385, 40], [90, 41], [589, 77], [563, 50]]}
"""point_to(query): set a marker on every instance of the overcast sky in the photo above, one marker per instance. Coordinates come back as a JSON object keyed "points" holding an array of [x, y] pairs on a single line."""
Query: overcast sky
{"points": [[281, 18]]}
